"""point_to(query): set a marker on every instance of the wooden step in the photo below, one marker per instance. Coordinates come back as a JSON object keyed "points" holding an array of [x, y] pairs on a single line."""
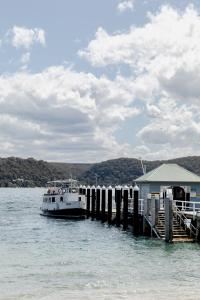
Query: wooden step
{"points": [[183, 240], [179, 234]]}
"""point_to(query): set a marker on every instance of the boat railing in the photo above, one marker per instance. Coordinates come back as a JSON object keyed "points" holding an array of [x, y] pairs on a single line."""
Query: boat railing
{"points": [[55, 192]]}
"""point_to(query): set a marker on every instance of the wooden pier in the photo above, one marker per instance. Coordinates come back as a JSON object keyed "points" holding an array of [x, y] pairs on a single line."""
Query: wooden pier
{"points": [[160, 218]]}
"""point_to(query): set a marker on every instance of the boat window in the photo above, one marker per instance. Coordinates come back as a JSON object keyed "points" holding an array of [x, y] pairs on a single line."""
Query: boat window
{"points": [[79, 198], [61, 199], [73, 190], [53, 199]]}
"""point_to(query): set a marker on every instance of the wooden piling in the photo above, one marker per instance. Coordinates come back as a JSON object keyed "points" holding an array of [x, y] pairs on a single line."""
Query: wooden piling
{"points": [[157, 209], [109, 216], [98, 196], [131, 191], [88, 202], [136, 210], [168, 220], [83, 190], [93, 203], [103, 204], [118, 205], [153, 211], [80, 190], [125, 208]]}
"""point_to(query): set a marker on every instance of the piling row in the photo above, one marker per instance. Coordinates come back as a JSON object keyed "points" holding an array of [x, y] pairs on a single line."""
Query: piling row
{"points": [[117, 206]]}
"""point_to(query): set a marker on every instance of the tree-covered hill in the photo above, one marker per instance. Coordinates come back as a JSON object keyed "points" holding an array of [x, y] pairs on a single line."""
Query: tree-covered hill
{"points": [[31, 172], [125, 170]]}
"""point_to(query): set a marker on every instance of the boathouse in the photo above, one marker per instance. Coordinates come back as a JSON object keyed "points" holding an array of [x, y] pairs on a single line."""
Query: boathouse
{"points": [[185, 185]]}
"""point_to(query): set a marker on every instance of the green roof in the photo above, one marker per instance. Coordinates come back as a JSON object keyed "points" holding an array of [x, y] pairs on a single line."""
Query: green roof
{"points": [[169, 173]]}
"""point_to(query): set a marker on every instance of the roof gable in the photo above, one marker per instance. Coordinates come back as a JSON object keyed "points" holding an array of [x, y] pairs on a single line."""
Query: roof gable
{"points": [[169, 173]]}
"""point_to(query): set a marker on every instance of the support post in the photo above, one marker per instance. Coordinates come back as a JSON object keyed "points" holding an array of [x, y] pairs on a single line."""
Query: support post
{"points": [[80, 190], [93, 202], [131, 191], [84, 190], [88, 202], [145, 216], [118, 205], [103, 204], [168, 220], [136, 210], [148, 205], [109, 205], [153, 211], [98, 195], [157, 209], [125, 208]]}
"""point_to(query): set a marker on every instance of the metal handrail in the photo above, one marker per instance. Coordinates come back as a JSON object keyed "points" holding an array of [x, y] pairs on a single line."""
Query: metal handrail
{"points": [[183, 218], [153, 228], [188, 205]]}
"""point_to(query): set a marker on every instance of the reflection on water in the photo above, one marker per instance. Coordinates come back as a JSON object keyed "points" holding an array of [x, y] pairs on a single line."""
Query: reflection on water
{"points": [[43, 258]]}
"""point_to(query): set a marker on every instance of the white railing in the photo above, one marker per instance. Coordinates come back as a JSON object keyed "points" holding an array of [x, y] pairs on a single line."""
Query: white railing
{"points": [[185, 222], [187, 206]]}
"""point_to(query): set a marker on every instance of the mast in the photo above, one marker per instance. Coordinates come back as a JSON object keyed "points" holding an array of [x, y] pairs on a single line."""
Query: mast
{"points": [[143, 166]]}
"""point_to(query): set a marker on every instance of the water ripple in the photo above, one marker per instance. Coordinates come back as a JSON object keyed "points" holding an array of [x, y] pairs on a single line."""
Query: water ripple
{"points": [[47, 259]]}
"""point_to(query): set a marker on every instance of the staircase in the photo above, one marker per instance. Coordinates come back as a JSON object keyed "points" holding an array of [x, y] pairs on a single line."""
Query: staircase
{"points": [[179, 234]]}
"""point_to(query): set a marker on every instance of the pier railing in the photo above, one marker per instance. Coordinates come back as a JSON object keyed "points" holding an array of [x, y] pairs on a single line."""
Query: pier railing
{"points": [[185, 222], [188, 206]]}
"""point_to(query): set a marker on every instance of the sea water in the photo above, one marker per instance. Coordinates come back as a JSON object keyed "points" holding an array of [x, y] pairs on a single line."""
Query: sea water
{"points": [[43, 258]]}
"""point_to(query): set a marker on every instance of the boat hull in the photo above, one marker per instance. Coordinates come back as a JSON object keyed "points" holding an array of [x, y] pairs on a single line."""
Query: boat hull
{"points": [[73, 213]]}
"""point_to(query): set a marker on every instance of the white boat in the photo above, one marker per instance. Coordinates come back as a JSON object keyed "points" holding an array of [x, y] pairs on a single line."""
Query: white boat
{"points": [[63, 200]]}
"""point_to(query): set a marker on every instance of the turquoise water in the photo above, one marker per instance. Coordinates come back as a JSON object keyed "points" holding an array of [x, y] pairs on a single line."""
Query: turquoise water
{"points": [[42, 258]]}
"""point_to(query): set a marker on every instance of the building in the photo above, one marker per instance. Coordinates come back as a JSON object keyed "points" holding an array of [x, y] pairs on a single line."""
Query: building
{"points": [[185, 185]]}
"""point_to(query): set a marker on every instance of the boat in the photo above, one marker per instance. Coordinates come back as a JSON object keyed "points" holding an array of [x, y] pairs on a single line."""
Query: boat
{"points": [[63, 200]]}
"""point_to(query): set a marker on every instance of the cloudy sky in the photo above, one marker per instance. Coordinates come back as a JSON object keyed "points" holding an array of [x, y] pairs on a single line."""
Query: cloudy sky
{"points": [[86, 81]]}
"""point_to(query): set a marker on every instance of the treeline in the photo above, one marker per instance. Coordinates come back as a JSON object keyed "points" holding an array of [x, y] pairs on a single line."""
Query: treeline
{"points": [[17, 172], [125, 170]]}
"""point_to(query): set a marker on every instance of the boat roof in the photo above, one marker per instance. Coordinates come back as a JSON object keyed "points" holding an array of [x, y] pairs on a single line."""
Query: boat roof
{"points": [[169, 173], [70, 180]]}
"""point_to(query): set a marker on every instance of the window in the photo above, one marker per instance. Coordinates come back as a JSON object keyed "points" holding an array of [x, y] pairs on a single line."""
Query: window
{"points": [[53, 199], [61, 199]]}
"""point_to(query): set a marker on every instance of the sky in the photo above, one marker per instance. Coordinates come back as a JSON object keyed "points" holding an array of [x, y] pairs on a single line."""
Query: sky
{"points": [[87, 81]]}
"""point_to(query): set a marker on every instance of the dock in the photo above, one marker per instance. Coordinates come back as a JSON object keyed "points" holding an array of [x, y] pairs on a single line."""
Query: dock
{"points": [[164, 218]]}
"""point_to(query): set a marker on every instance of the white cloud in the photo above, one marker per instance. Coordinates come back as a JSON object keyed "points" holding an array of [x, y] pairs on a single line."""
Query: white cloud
{"points": [[60, 114], [23, 37], [163, 57], [125, 5]]}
